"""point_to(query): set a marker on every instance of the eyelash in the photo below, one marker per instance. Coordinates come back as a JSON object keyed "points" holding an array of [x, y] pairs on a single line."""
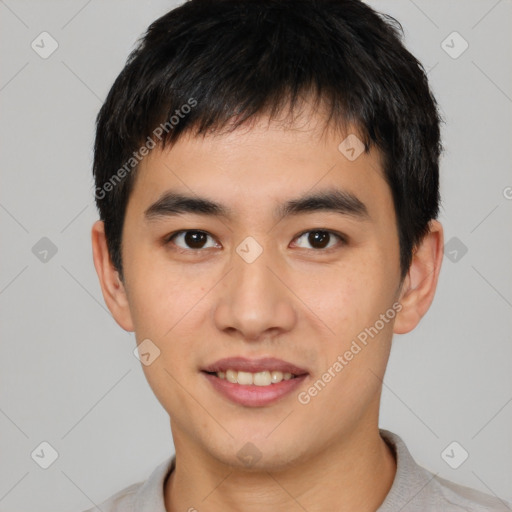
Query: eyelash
{"points": [[342, 238]]}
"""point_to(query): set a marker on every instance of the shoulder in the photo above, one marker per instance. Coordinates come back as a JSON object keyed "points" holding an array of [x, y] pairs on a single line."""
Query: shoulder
{"points": [[145, 496], [415, 489], [122, 501], [466, 498]]}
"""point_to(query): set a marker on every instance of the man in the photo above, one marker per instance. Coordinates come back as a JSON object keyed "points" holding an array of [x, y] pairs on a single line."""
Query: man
{"points": [[267, 180]]}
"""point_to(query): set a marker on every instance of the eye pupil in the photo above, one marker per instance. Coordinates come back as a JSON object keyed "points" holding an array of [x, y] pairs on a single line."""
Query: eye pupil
{"points": [[321, 237], [195, 239]]}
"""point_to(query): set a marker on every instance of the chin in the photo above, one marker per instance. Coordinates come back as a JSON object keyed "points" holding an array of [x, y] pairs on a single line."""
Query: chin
{"points": [[258, 454]]}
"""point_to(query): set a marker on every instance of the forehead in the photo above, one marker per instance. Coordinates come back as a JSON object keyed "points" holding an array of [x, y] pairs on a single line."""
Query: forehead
{"points": [[261, 162]]}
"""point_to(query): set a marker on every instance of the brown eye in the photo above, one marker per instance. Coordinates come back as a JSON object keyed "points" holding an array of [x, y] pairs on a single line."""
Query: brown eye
{"points": [[319, 239], [190, 240]]}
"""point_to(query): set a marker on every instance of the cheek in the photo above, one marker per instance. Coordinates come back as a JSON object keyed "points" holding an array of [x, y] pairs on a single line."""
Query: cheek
{"points": [[347, 297], [165, 304], [353, 357], [161, 293], [350, 301]]}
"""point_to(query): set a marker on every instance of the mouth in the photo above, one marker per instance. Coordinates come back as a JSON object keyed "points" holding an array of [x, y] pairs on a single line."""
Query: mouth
{"points": [[254, 382]]}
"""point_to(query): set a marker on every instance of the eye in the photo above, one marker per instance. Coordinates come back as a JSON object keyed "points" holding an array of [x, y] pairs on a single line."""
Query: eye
{"points": [[320, 238], [193, 239]]}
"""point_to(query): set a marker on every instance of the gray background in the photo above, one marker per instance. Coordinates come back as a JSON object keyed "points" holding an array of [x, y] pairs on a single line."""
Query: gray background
{"points": [[68, 375]]}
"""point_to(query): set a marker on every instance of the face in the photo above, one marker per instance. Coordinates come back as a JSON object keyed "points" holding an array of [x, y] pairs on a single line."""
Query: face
{"points": [[262, 274]]}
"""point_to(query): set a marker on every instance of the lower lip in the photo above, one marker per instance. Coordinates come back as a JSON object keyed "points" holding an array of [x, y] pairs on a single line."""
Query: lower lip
{"points": [[252, 395]]}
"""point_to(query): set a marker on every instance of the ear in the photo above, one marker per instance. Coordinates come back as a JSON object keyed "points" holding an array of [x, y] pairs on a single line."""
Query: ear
{"points": [[112, 287], [419, 286]]}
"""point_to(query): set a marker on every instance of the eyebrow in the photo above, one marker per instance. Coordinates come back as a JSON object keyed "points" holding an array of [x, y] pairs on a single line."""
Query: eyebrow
{"points": [[173, 203]]}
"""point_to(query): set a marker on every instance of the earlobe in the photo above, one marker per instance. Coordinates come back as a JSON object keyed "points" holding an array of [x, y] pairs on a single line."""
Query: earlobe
{"points": [[420, 284], [112, 287]]}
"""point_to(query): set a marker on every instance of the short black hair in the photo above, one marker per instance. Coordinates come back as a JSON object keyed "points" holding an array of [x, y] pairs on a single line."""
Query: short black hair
{"points": [[208, 64]]}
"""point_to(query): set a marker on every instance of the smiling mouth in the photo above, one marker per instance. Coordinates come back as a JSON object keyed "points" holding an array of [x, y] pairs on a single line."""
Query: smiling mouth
{"points": [[254, 389], [254, 382]]}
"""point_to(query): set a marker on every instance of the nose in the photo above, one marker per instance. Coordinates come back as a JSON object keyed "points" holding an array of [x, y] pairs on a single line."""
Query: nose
{"points": [[255, 302]]}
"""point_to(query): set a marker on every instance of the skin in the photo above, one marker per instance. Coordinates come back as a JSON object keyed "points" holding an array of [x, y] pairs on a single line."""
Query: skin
{"points": [[295, 302]]}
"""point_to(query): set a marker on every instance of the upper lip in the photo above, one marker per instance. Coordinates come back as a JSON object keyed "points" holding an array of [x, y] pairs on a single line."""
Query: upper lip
{"points": [[254, 365]]}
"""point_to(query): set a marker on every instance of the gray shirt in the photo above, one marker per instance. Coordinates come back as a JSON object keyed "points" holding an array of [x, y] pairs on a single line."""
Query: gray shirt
{"points": [[414, 489]]}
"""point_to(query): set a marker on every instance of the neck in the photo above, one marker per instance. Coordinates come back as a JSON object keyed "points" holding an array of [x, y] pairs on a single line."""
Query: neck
{"points": [[354, 473]]}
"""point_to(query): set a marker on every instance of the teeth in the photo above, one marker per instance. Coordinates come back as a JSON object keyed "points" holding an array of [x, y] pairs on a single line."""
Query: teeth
{"points": [[231, 375], [276, 377], [244, 378], [265, 378]]}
